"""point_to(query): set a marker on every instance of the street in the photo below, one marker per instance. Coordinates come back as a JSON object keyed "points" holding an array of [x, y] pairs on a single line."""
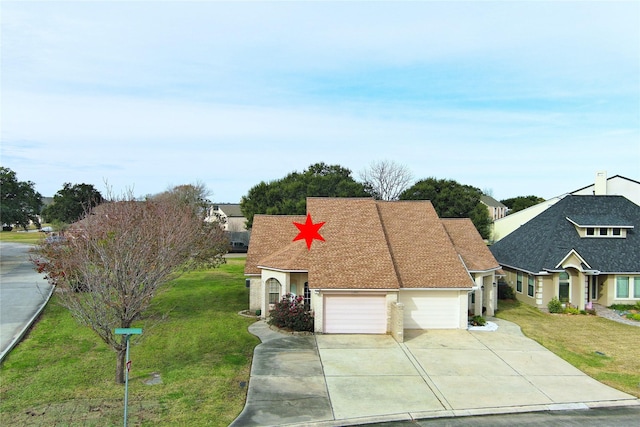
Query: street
{"points": [[23, 293]]}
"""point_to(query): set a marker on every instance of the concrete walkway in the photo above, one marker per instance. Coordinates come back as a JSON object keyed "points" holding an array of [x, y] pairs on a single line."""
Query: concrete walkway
{"points": [[338, 380], [607, 313]]}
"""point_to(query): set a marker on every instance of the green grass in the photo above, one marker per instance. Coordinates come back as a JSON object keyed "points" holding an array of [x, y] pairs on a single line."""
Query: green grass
{"points": [[601, 348], [21, 237], [62, 374]]}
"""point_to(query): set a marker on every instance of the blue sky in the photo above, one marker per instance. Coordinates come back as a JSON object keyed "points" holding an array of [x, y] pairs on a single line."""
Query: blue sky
{"points": [[513, 97]]}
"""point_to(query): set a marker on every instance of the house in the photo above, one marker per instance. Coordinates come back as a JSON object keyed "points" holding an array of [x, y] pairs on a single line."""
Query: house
{"points": [[496, 209], [383, 266], [616, 185], [231, 215], [582, 249]]}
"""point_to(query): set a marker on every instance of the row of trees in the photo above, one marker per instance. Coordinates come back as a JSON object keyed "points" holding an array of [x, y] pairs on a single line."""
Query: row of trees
{"points": [[22, 205], [384, 180]]}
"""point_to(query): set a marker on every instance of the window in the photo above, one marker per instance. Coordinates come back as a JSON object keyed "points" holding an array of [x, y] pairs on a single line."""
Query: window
{"points": [[616, 232], [603, 231], [591, 231], [307, 296], [273, 286], [628, 287], [519, 282], [530, 285], [294, 289], [564, 286]]}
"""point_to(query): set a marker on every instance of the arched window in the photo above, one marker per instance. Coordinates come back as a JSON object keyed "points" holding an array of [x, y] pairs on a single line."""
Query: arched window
{"points": [[273, 286]]}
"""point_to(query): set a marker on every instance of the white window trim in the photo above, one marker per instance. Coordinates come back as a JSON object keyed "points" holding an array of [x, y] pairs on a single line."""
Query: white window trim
{"points": [[532, 278], [630, 287], [569, 282], [521, 275]]}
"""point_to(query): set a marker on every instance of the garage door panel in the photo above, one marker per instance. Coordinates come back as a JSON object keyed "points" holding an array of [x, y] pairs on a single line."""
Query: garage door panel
{"points": [[355, 314], [431, 309]]}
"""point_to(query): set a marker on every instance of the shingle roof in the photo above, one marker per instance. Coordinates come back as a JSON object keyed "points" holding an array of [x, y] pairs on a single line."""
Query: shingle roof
{"points": [[230, 209], [269, 234], [544, 241], [368, 245], [355, 253], [423, 254], [490, 201], [474, 252]]}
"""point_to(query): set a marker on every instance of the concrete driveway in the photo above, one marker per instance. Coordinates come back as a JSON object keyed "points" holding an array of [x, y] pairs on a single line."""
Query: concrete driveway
{"points": [[332, 380]]}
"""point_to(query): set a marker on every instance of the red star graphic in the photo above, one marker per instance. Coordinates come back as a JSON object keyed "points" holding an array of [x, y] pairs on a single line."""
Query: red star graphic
{"points": [[309, 231]]}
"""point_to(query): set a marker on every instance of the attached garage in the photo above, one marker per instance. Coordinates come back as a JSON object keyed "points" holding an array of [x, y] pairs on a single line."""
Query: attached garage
{"points": [[431, 309], [355, 314]]}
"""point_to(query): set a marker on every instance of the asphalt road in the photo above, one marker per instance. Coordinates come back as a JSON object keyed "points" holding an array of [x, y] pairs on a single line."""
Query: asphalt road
{"points": [[23, 293]]}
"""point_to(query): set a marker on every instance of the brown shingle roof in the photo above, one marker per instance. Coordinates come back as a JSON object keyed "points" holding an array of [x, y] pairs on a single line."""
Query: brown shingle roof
{"points": [[292, 257], [421, 249], [355, 253], [469, 244], [368, 245], [269, 234]]}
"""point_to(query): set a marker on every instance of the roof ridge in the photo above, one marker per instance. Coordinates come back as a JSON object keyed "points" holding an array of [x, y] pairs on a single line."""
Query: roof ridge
{"points": [[389, 247]]}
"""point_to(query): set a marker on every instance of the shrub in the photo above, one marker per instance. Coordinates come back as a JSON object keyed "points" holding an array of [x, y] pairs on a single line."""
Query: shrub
{"points": [[571, 310], [634, 316], [555, 306], [505, 291], [478, 321], [637, 306], [290, 313]]}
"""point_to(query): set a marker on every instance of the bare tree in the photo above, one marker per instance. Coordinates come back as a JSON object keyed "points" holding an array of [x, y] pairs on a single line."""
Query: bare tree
{"points": [[386, 179], [112, 263]]}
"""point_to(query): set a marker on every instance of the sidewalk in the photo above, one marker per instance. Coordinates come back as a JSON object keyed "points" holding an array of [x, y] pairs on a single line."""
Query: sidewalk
{"points": [[339, 380]]}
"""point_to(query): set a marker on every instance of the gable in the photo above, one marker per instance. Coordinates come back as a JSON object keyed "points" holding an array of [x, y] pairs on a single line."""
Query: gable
{"points": [[269, 234]]}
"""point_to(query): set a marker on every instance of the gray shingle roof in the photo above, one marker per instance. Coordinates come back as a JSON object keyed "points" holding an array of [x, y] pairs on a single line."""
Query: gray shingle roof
{"points": [[543, 242]]}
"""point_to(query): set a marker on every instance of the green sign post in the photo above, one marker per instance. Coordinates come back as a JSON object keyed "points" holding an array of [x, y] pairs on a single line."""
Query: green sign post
{"points": [[127, 332]]}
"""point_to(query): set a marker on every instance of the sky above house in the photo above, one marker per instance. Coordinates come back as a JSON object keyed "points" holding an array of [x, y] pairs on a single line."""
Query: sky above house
{"points": [[512, 97]]}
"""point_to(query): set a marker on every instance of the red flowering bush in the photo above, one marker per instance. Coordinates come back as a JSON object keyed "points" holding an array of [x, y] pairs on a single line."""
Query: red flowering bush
{"points": [[290, 313]]}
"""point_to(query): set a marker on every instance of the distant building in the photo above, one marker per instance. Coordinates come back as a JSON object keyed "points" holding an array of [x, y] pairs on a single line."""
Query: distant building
{"points": [[496, 209], [231, 216]]}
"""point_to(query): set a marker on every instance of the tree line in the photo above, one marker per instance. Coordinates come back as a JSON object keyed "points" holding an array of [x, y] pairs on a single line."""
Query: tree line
{"points": [[383, 180]]}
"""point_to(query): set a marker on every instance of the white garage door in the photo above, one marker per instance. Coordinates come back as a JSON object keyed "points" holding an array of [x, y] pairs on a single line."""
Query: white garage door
{"points": [[355, 314], [431, 309]]}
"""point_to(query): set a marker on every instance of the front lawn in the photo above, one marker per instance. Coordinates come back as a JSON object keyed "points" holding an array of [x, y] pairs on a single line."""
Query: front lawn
{"points": [[601, 348], [193, 338]]}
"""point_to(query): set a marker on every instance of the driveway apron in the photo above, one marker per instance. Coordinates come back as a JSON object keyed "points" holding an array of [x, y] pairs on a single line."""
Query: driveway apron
{"points": [[332, 380]]}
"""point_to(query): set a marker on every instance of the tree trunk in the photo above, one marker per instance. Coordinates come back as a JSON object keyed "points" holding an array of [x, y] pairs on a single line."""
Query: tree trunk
{"points": [[120, 365]]}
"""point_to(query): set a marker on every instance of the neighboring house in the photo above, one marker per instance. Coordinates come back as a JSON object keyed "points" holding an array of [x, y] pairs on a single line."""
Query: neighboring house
{"points": [[582, 249], [496, 209], [615, 186], [383, 267], [231, 215]]}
